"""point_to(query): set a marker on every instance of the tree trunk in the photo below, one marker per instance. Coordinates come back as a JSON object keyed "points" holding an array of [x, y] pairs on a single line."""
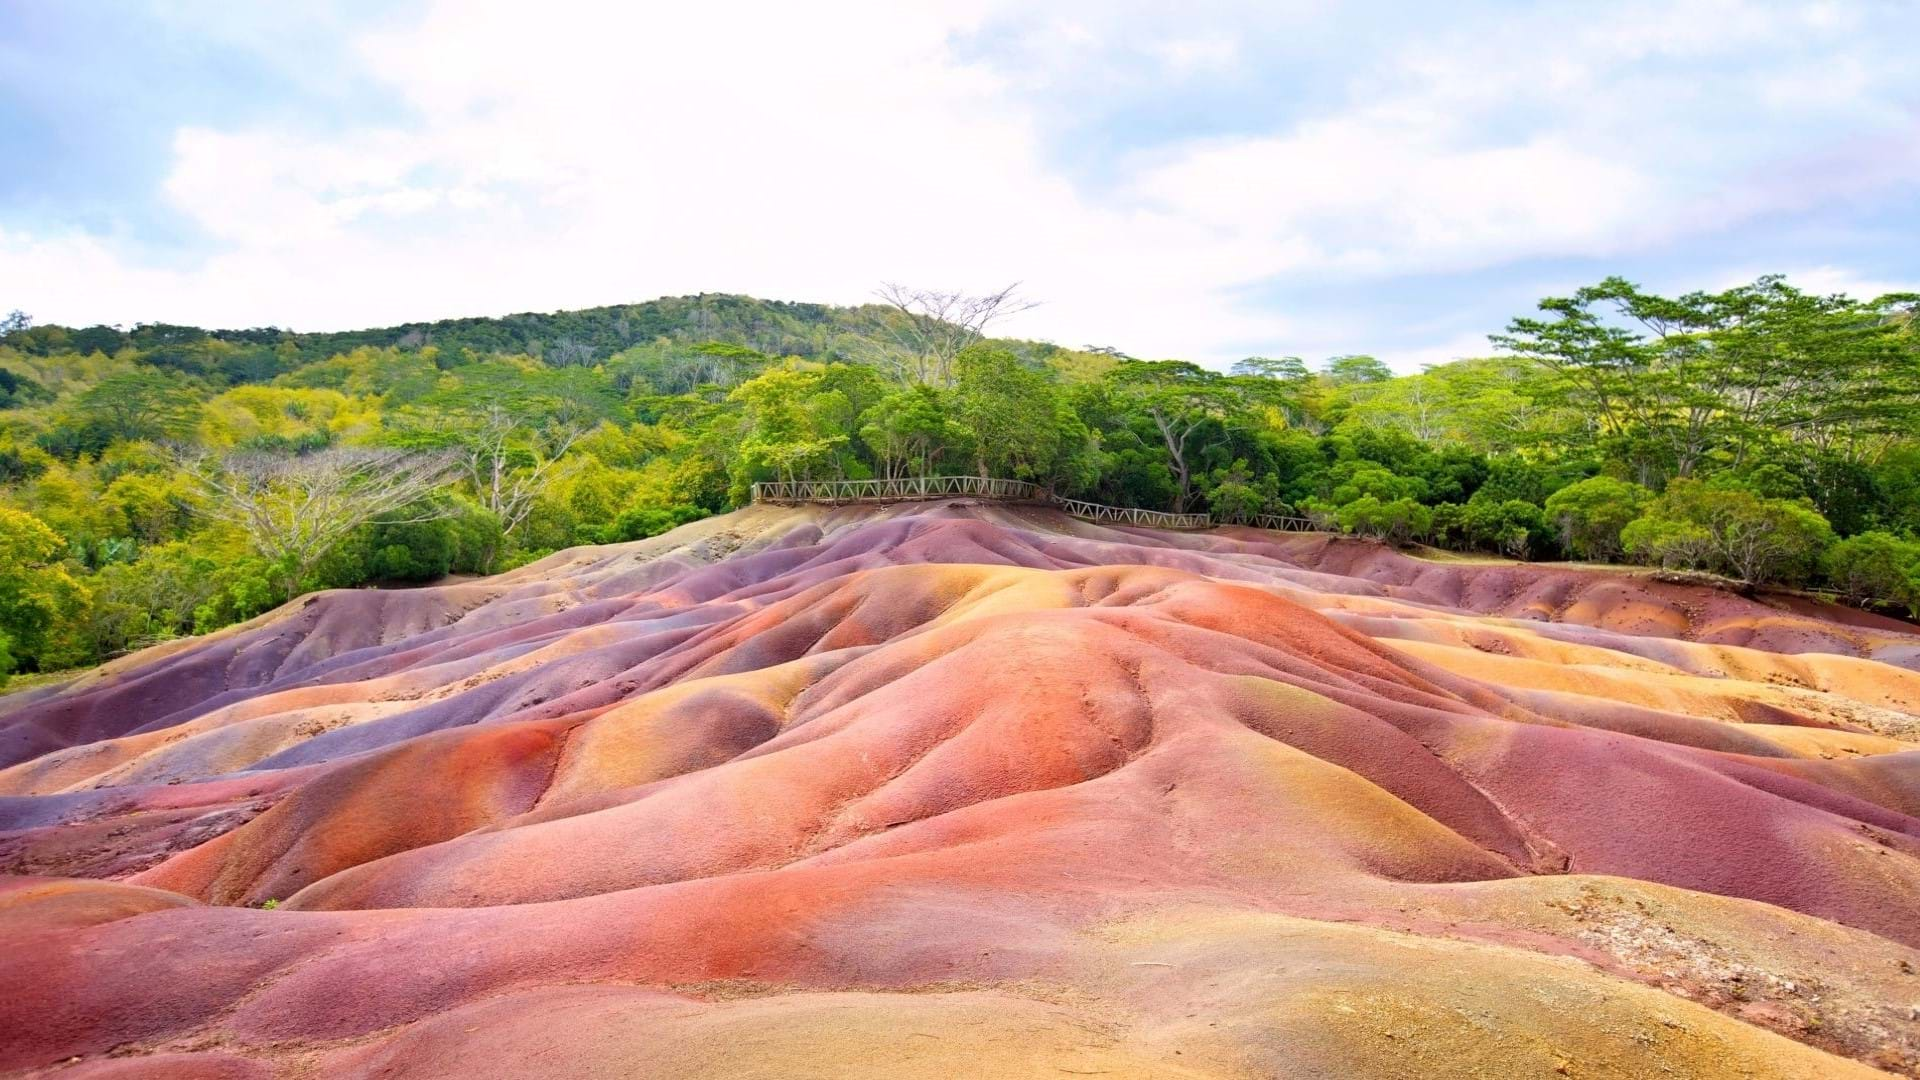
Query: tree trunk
{"points": [[1176, 452]]}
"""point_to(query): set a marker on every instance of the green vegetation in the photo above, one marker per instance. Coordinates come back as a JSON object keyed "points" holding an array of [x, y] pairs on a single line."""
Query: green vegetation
{"points": [[168, 480]]}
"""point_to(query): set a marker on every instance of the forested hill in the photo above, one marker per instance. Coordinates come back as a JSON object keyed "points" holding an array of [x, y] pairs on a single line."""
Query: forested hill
{"points": [[561, 338], [167, 479]]}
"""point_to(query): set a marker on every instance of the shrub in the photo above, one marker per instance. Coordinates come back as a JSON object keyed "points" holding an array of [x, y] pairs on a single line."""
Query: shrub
{"points": [[1323, 515], [1591, 513], [640, 522], [464, 541], [1354, 480], [1731, 530], [1396, 522], [1233, 493], [1669, 544], [1513, 526], [1876, 566]]}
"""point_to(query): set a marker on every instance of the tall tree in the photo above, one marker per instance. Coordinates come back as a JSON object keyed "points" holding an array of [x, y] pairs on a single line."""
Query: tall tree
{"points": [[296, 509], [913, 432], [508, 427], [1356, 368], [1013, 412], [931, 327], [1180, 399], [1726, 373], [136, 405], [788, 429], [38, 597]]}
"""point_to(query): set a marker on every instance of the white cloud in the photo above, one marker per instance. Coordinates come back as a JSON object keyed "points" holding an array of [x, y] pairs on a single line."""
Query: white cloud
{"points": [[623, 155], [1185, 55], [603, 154], [1371, 192], [1419, 358], [1828, 280]]}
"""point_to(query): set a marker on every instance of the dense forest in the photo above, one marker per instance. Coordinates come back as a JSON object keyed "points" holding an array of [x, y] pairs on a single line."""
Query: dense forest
{"points": [[169, 480]]}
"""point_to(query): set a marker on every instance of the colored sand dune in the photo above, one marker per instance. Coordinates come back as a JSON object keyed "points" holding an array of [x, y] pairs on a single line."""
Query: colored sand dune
{"points": [[957, 790]]}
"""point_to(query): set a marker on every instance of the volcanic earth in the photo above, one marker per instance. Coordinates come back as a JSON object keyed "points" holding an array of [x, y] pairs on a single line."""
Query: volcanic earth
{"points": [[955, 789]]}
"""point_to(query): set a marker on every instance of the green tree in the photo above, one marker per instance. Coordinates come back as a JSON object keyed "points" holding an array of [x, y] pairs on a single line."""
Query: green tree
{"points": [[1512, 526], [913, 432], [1286, 369], [1875, 566], [155, 596], [1012, 413], [461, 536], [641, 522], [139, 405], [1590, 514], [1672, 383], [1184, 401], [1731, 530], [789, 433], [40, 602], [1235, 495], [296, 510], [1398, 521], [1669, 543], [1358, 478], [1355, 368]]}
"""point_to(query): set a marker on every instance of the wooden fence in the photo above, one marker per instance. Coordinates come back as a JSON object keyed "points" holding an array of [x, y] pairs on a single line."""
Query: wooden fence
{"points": [[908, 489], [913, 488], [905, 489], [1127, 515], [1276, 522]]}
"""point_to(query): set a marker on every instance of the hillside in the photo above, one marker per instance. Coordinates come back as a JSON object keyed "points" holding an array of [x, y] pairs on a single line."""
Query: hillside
{"points": [[955, 789], [153, 480], [578, 338]]}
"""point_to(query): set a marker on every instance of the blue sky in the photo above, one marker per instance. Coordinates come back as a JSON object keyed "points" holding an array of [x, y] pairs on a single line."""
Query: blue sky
{"points": [[1202, 180]]}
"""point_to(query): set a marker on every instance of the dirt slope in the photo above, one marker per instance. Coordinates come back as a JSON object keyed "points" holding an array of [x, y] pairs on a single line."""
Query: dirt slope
{"points": [[952, 789]]}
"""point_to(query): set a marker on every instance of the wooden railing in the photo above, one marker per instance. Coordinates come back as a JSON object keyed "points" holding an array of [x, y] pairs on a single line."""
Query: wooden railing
{"points": [[1127, 515], [1276, 522], [907, 489], [904, 489]]}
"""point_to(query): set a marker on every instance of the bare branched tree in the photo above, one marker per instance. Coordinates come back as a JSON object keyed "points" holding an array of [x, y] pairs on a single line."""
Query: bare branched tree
{"points": [[566, 352], [937, 325], [507, 473], [296, 509]]}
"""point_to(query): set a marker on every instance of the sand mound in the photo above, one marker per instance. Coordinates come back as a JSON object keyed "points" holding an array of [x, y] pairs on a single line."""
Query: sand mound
{"points": [[957, 789]]}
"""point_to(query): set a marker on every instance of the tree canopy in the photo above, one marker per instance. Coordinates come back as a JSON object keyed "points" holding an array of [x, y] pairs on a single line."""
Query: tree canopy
{"points": [[161, 480]]}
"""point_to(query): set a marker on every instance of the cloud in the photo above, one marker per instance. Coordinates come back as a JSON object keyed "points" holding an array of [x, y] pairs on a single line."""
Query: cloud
{"points": [[556, 169], [1419, 358], [1373, 192], [1188, 54], [1828, 280], [604, 154]]}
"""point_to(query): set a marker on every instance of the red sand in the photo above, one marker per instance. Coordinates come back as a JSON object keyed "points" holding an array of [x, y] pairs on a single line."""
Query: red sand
{"points": [[966, 790]]}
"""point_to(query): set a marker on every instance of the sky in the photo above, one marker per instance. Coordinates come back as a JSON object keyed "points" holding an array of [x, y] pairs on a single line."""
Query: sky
{"points": [[1203, 181]]}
